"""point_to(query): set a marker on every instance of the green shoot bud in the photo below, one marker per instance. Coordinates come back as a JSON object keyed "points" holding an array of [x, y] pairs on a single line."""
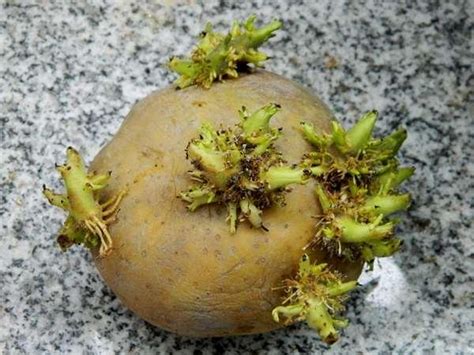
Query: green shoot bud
{"points": [[263, 143], [315, 295], [88, 219], [386, 205], [214, 163], [256, 128], [208, 136], [258, 123], [198, 197], [306, 268], [339, 136], [392, 179], [359, 135], [218, 56], [356, 232], [251, 212], [319, 318], [240, 168], [341, 288], [256, 36], [278, 177], [214, 155], [58, 200], [187, 70], [211, 160], [380, 249], [323, 198], [288, 312], [312, 137], [390, 145]]}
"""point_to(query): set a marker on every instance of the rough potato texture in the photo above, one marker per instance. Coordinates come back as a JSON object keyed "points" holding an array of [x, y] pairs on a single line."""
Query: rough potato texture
{"points": [[184, 271]]}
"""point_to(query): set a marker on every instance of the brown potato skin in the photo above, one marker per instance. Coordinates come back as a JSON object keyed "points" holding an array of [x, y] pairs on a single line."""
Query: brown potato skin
{"points": [[184, 271]]}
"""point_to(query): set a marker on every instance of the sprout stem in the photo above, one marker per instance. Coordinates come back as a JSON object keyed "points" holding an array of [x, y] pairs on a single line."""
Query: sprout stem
{"points": [[359, 135], [259, 121], [319, 319], [386, 205], [355, 232], [311, 136], [323, 198], [392, 179], [278, 177]]}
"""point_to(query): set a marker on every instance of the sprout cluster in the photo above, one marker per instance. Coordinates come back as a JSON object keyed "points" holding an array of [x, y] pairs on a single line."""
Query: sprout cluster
{"points": [[240, 168], [357, 187], [358, 178], [88, 219], [217, 55], [316, 295]]}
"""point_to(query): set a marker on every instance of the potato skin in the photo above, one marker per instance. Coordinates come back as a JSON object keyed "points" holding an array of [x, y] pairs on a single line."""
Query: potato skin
{"points": [[184, 271]]}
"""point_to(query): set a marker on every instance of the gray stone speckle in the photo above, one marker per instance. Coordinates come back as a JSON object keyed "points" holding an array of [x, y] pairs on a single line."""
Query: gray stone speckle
{"points": [[70, 73]]}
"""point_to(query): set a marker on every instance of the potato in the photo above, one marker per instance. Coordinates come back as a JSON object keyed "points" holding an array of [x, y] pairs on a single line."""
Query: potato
{"points": [[197, 274], [184, 271]]}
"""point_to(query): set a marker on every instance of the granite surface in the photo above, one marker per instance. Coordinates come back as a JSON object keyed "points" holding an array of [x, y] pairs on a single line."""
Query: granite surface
{"points": [[68, 76]]}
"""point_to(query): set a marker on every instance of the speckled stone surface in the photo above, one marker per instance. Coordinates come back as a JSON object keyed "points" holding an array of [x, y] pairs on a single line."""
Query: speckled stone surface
{"points": [[68, 76]]}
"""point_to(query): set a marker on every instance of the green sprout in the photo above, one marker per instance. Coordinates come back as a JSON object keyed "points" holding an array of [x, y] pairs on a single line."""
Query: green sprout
{"points": [[88, 219], [316, 295], [358, 178], [240, 168], [217, 56]]}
